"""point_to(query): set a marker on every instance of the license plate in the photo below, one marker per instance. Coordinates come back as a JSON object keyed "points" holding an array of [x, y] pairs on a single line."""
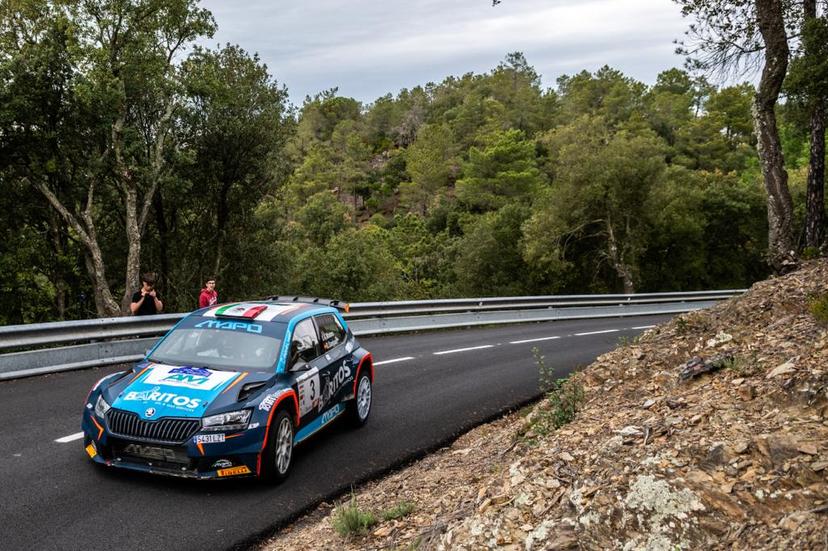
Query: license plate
{"points": [[157, 453]]}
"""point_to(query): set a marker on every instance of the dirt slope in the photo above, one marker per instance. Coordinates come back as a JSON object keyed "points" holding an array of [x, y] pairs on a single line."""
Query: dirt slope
{"points": [[736, 458]]}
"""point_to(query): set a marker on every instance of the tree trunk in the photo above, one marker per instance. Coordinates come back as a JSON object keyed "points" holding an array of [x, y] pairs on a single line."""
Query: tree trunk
{"points": [[617, 260], [56, 233], [815, 194], [781, 253], [105, 304], [163, 237], [133, 234], [815, 198]]}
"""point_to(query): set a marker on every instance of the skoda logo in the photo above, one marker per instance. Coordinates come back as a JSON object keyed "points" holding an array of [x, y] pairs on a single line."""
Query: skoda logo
{"points": [[150, 412]]}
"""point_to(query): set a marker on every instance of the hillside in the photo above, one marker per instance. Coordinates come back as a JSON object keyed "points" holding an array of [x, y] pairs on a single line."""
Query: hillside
{"points": [[735, 458]]}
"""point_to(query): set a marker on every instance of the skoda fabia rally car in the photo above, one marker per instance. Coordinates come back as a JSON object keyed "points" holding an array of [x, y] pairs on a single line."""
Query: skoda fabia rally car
{"points": [[230, 390]]}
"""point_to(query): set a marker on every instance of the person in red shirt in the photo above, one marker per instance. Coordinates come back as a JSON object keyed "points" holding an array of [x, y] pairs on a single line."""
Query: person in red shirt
{"points": [[208, 296]]}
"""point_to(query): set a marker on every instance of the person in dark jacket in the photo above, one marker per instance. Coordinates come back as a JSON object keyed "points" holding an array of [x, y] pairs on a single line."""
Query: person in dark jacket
{"points": [[208, 296], [145, 301]]}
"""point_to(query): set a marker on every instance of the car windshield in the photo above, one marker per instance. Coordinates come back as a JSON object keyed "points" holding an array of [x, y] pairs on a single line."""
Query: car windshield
{"points": [[218, 349]]}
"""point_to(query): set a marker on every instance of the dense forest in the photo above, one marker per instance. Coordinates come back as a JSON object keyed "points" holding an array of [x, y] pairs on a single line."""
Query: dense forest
{"points": [[126, 148]]}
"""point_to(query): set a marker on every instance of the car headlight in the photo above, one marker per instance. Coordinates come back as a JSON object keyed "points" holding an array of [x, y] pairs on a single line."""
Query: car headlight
{"points": [[232, 420], [101, 407]]}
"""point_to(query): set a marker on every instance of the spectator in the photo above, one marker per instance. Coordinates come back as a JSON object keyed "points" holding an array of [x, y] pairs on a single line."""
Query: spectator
{"points": [[208, 296], [145, 302]]}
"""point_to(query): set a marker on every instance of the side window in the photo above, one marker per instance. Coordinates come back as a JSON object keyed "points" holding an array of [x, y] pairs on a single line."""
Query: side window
{"points": [[304, 345], [330, 331]]}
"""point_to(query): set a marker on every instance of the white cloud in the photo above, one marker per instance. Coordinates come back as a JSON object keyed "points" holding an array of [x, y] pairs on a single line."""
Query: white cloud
{"points": [[369, 47]]}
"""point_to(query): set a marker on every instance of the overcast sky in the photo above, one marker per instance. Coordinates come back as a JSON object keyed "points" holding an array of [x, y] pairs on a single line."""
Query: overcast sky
{"points": [[368, 48]]}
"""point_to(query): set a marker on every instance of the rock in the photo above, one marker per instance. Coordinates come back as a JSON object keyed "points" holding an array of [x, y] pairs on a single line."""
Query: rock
{"points": [[783, 369], [818, 466], [697, 365], [630, 431], [566, 456], [648, 404], [746, 392], [808, 447], [720, 338]]}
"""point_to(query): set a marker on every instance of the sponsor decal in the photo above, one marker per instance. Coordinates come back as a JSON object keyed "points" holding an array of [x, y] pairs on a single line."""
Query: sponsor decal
{"points": [[150, 412], [169, 399], [233, 471], [222, 464], [349, 346], [90, 449], [188, 377], [333, 384], [190, 370], [331, 413], [89, 406], [252, 426], [231, 325], [269, 400], [209, 438]]}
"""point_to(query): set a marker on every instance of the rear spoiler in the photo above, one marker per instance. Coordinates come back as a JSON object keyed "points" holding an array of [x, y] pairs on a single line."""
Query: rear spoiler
{"points": [[338, 304]]}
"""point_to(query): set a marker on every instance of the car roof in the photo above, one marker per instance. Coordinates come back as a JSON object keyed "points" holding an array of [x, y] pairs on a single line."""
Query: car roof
{"points": [[262, 311]]}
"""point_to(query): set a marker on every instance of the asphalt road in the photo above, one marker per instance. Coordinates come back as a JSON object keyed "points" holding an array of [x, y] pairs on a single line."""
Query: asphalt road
{"points": [[429, 389]]}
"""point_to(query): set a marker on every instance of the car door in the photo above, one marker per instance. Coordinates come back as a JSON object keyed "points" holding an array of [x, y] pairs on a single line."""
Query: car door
{"points": [[332, 338], [309, 368]]}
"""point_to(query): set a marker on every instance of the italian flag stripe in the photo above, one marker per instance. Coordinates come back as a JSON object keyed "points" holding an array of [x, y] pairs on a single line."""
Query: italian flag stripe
{"points": [[223, 309], [255, 311]]}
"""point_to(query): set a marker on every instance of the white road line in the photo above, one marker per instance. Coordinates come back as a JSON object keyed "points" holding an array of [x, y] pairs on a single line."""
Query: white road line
{"points": [[394, 360], [462, 349], [644, 327], [535, 340], [70, 438], [597, 332]]}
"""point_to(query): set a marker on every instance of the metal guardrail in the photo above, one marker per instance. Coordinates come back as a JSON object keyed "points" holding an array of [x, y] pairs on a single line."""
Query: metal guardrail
{"points": [[106, 341]]}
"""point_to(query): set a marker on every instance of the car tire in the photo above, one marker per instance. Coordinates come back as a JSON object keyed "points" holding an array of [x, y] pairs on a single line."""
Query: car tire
{"points": [[278, 458], [360, 406]]}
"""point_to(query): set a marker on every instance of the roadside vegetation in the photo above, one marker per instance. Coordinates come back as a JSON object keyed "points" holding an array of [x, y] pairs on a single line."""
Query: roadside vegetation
{"points": [[818, 307], [562, 398], [350, 520]]}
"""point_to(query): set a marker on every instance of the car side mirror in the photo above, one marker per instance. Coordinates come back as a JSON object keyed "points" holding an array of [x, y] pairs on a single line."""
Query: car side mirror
{"points": [[299, 365]]}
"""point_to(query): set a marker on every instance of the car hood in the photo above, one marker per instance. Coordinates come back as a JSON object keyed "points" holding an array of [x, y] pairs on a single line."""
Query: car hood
{"points": [[161, 390]]}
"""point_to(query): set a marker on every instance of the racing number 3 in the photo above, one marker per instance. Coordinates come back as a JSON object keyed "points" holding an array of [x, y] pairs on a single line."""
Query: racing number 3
{"points": [[308, 392]]}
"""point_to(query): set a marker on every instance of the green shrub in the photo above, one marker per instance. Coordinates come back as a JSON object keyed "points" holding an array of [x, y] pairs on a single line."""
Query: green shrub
{"points": [[819, 308], [564, 397], [350, 520], [809, 253], [400, 510]]}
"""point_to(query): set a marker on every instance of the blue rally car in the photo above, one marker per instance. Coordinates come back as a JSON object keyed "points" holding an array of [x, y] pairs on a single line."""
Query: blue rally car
{"points": [[230, 390]]}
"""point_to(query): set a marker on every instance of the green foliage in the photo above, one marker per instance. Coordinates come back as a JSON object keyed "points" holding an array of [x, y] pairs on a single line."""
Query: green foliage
{"points": [[818, 306], [350, 520], [488, 260], [504, 170], [430, 162], [356, 264], [563, 398], [482, 184], [399, 511]]}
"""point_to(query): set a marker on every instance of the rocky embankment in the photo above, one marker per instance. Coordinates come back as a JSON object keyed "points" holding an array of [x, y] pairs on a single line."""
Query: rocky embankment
{"points": [[733, 458]]}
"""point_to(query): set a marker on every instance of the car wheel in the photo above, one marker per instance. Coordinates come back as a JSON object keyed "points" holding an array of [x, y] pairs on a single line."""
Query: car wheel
{"points": [[361, 405], [279, 457]]}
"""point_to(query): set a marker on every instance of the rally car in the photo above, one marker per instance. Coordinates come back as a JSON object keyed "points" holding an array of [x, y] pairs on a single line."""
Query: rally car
{"points": [[230, 390]]}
